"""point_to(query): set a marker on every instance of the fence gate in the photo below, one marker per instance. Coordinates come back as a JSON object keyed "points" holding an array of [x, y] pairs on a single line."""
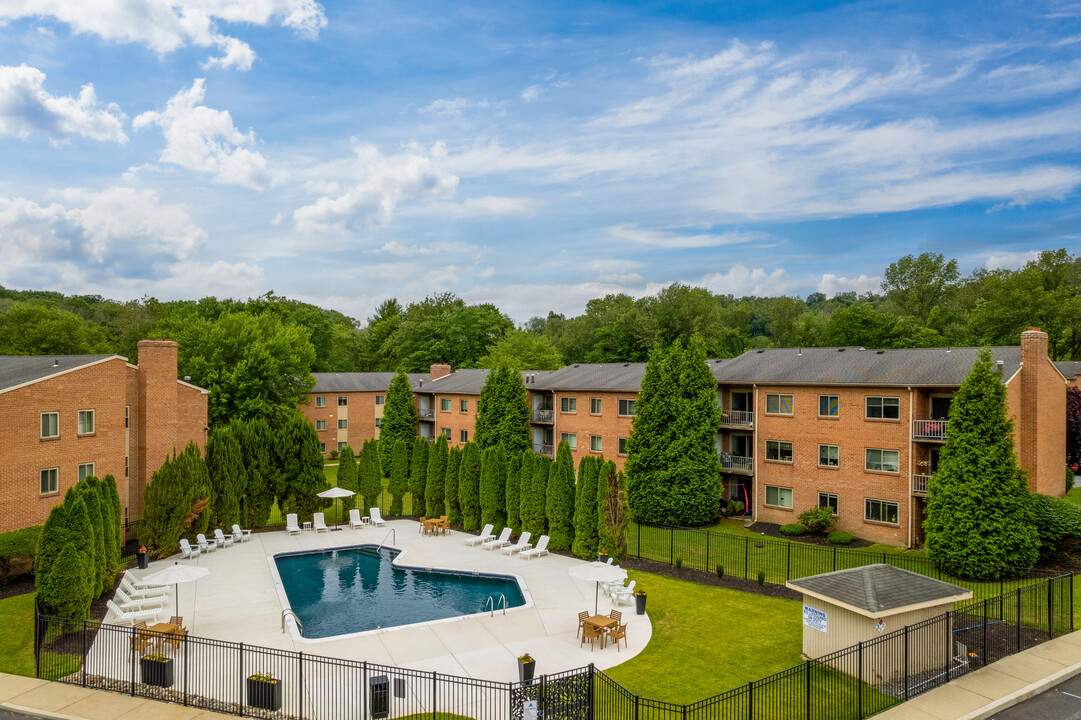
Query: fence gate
{"points": [[560, 696]]}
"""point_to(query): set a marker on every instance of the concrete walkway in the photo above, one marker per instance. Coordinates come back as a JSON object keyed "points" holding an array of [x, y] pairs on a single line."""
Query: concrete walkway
{"points": [[984, 692]]}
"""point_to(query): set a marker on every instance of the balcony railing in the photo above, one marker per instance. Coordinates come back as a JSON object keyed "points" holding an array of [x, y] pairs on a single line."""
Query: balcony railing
{"points": [[737, 418], [426, 414], [919, 484], [542, 449], [543, 415], [934, 430], [737, 464]]}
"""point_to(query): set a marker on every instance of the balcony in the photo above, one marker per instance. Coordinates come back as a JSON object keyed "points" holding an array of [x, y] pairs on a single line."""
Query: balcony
{"points": [[741, 419], [542, 449], [919, 484], [929, 430], [426, 414], [736, 464], [543, 415]]}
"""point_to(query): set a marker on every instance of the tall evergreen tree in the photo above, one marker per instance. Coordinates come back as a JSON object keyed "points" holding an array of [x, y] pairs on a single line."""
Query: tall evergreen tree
{"points": [[348, 477], [87, 487], [493, 488], [559, 505], [228, 476], [513, 493], [191, 468], [525, 486], [503, 411], [64, 589], [371, 477], [399, 474], [418, 475], [174, 500], [585, 509], [611, 511], [399, 420], [469, 487], [113, 498], [257, 444], [980, 521], [302, 468], [450, 487], [538, 495], [693, 481], [437, 478], [647, 448]]}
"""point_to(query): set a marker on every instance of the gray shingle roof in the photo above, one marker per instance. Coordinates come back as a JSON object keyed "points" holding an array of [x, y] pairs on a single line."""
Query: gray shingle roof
{"points": [[468, 381], [851, 365], [600, 376], [360, 381], [1069, 368], [19, 369], [879, 589]]}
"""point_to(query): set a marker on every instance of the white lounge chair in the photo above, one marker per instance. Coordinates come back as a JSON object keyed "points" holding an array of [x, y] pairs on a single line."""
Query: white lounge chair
{"points": [[541, 549], [375, 518], [624, 596], [126, 603], [523, 544], [131, 616], [291, 525], [142, 586], [318, 524], [354, 519], [241, 535], [186, 550], [501, 541], [146, 592], [222, 539], [485, 536], [206, 545]]}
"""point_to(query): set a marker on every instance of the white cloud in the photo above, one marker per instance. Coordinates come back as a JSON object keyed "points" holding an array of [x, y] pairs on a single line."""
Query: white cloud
{"points": [[1002, 260], [831, 284], [455, 107], [167, 25], [523, 301], [400, 250], [381, 183], [486, 206], [206, 140], [27, 108], [740, 280], [531, 93], [665, 239]]}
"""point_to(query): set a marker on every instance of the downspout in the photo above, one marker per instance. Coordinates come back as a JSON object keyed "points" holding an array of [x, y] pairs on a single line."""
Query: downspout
{"points": [[910, 497], [754, 457]]}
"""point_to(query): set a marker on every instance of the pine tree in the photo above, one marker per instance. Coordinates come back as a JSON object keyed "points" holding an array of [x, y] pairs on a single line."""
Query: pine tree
{"points": [[502, 412], [450, 487], [399, 420], [657, 414], [64, 589], [693, 481], [113, 498], [437, 478], [399, 475], [513, 492], [469, 487], [493, 488], [96, 539], [980, 522], [559, 505], [348, 478], [611, 511], [525, 491], [371, 477], [538, 496], [585, 509], [418, 475], [257, 444], [228, 476]]}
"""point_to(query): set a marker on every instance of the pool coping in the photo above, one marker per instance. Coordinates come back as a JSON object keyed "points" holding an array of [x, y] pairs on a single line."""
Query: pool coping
{"points": [[294, 630]]}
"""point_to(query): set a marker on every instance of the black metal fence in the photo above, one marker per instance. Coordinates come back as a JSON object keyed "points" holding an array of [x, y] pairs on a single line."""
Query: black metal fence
{"points": [[855, 682], [745, 556]]}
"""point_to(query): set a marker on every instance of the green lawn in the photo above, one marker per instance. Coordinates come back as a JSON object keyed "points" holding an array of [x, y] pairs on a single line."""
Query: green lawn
{"points": [[331, 513], [17, 637]]}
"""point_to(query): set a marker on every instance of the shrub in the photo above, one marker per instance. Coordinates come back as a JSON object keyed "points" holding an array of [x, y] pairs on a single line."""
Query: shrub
{"points": [[720, 571], [17, 551], [1069, 478], [840, 537], [679, 562], [333, 454], [793, 529], [1057, 521], [735, 507], [761, 577], [818, 521]]}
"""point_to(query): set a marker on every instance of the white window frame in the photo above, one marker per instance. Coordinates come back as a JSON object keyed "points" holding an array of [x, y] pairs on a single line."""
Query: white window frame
{"points": [[595, 406], [570, 438], [568, 405], [778, 444], [881, 460], [463, 406], [463, 436], [320, 400], [343, 423], [896, 404], [54, 474], [625, 405], [56, 434], [882, 506], [446, 433], [82, 467], [320, 424], [621, 446], [836, 456], [93, 422], [778, 496], [828, 496], [779, 404], [596, 444], [827, 413], [380, 399], [341, 445], [444, 404]]}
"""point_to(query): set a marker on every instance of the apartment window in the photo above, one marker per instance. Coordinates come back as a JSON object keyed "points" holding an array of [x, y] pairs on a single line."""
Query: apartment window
{"points": [[127, 416], [570, 438], [881, 511], [828, 456], [594, 406], [621, 446], [322, 447], [777, 404], [320, 401], [342, 401], [568, 404], [320, 424], [343, 424], [828, 500], [86, 470], [595, 443], [627, 407], [779, 496], [49, 481], [50, 425], [463, 436], [778, 450], [379, 422], [341, 445], [463, 406], [446, 433], [86, 422], [829, 405], [444, 405], [885, 408], [125, 466], [379, 399], [883, 460]]}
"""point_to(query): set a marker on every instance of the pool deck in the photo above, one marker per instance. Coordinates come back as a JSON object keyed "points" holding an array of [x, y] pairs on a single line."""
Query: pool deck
{"points": [[239, 601]]}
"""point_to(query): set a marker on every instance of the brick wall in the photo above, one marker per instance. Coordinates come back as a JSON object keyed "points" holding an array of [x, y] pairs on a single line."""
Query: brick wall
{"points": [[455, 420], [1042, 426], [609, 425], [359, 413]]}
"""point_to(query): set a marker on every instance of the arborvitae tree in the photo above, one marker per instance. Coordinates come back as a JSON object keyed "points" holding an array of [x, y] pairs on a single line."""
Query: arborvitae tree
{"points": [[418, 475], [980, 521], [96, 539], [55, 534], [437, 478], [348, 478], [228, 476], [469, 487], [172, 500], [257, 445], [64, 588], [371, 477], [693, 481], [611, 511], [399, 420], [513, 492], [585, 509], [191, 466], [525, 496], [450, 486], [493, 488], [658, 414], [112, 497], [559, 505], [109, 524], [538, 496], [399, 474], [302, 468], [503, 411]]}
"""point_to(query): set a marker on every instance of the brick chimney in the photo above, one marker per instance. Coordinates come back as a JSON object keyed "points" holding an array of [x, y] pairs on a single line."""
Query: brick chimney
{"points": [[1033, 357], [438, 371], [156, 414]]}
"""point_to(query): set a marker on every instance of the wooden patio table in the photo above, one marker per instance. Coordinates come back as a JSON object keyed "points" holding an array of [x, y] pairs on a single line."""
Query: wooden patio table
{"points": [[602, 623]]}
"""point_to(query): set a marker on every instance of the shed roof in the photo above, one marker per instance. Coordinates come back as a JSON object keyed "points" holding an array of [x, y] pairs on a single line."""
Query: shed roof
{"points": [[593, 376], [877, 590], [16, 370], [1069, 368], [360, 381]]}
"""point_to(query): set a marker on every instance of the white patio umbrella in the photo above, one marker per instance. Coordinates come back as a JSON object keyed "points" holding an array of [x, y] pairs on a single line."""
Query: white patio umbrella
{"points": [[336, 492], [174, 575], [598, 572]]}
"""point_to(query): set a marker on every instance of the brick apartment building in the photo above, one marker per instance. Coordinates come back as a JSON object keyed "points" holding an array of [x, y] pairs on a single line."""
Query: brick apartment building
{"points": [[347, 408], [65, 417], [1071, 370]]}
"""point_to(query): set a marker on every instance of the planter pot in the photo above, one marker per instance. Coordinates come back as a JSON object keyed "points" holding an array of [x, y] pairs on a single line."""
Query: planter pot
{"points": [[264, 694], [640, 604], [602, 558], [156, 672], [144, 560], [526, 670]]}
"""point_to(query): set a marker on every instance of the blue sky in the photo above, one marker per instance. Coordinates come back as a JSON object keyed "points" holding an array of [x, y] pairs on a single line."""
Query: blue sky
{"points": [[534, 155]]}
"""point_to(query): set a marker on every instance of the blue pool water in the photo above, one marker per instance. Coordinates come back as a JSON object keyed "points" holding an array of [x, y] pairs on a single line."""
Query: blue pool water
{"points": [[348, 590]]}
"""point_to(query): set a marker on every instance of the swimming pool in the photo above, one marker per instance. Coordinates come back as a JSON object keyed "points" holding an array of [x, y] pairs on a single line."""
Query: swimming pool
{"points": [[354, 589]]}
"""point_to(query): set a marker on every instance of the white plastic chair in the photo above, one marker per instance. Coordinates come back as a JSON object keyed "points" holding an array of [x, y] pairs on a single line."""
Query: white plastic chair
{"points": [[624, 596], [485, 536], [187, 551], [222, 539], [205, 545], [375, 517], [131, 616], [240, 535], [501, 541], [541, 549], [126, 603], [522, 544], [354, 519], [318, 524], [291, 525], [146, 592]]}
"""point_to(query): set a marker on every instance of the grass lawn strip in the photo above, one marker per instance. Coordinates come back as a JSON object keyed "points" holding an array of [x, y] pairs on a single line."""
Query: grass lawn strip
{"points": [[17, 637]]}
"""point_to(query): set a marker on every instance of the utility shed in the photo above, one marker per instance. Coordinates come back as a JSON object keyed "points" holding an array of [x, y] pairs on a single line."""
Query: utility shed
{"points": [[846, 607]]}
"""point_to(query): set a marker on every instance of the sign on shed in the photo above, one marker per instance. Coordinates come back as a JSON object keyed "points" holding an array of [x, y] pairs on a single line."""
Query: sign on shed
{"points": [[814, 618]]}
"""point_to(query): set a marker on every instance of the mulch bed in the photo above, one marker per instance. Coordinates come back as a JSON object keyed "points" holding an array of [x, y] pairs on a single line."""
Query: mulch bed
{"points": [[774, 531], [705, 578], [18, 587]]}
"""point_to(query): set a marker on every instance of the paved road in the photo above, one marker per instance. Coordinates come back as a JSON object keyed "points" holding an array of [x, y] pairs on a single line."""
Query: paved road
{"points": [[1062, 702]]}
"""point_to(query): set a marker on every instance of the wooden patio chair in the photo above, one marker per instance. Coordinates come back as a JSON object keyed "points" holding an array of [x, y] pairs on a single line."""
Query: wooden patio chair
{"points": [[423, 525], [176, 637], [444, 524], [592, 634], [141, 638], [581, 621], [619, 632], [616, 615]]}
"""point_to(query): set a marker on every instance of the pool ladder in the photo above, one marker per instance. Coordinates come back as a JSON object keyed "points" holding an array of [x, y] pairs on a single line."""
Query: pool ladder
{"points": [[287, 612], [390, 534], [491, 602]]}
